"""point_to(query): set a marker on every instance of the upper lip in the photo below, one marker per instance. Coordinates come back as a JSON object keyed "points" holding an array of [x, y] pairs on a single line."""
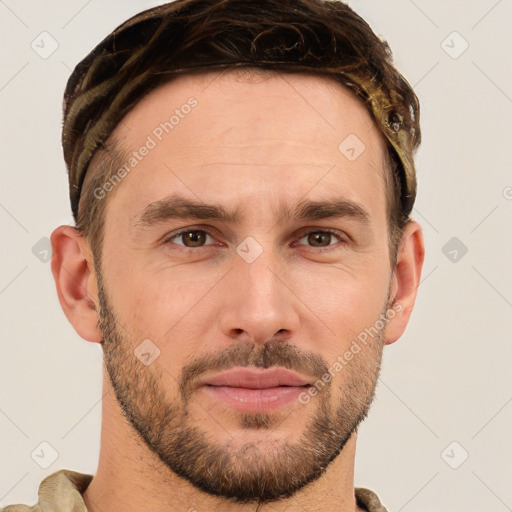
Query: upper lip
{"points": [[255, 378]]}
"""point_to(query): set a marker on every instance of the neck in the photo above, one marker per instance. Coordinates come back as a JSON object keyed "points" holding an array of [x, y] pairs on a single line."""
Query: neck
{"points": [[132, 477]]}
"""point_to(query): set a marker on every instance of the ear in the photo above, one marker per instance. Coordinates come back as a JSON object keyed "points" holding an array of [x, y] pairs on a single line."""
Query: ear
{"points": [[405, 281], [75, 278]]}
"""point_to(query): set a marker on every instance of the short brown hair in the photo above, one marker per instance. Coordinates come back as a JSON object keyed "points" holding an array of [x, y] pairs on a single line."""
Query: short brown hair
{"points": [[322, 37]]}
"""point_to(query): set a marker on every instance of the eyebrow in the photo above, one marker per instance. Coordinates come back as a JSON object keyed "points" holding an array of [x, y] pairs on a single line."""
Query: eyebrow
{"points": [[177, 207]]}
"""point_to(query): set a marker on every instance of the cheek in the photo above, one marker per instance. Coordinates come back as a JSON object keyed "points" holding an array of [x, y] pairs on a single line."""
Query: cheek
{"points": [[170, 306], [343, 301]]}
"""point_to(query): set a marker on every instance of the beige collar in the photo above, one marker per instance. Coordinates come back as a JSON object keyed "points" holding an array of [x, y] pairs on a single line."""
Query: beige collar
{"points": [[62, 491]]}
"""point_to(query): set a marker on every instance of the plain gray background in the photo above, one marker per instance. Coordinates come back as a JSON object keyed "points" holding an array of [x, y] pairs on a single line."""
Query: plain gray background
{"points": [[438, 436]]}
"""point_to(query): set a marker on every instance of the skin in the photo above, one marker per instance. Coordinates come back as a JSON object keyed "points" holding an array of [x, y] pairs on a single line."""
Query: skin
{"points": [[255, 145]]}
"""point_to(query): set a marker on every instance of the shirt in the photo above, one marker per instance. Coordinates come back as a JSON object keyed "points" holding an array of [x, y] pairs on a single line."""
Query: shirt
{"points": [[62, 492]]}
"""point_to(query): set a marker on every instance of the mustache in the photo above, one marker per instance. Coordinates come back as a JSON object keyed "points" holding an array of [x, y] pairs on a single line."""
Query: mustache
{"points": [[273, 353]]}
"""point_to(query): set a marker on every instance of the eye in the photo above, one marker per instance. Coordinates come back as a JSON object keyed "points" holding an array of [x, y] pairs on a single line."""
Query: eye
{"points": [[322, 238], [190, 238]]}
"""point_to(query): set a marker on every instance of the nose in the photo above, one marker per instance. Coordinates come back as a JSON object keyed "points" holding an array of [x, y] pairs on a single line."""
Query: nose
{"points": [[259, 302]]}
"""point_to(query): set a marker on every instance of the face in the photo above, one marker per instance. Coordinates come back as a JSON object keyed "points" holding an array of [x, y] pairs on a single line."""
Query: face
{"points": [[243, 255]]}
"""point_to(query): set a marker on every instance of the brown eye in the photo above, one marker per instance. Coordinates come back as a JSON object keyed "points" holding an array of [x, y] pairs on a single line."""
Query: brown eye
{"points": [[190, 238], [193, 238], [320, 238]]}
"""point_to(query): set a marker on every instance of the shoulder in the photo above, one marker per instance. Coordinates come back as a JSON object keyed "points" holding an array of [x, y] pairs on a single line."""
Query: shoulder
{"points": [[59, 488], [20, 508]]}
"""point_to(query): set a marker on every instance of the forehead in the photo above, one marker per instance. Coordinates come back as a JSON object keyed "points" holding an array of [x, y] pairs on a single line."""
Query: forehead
{"points": [[320, 103], [283, 134]]}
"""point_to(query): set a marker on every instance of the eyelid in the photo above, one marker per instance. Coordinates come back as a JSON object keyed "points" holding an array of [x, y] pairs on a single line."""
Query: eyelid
{"points": [[170, 236], [343, 238]]}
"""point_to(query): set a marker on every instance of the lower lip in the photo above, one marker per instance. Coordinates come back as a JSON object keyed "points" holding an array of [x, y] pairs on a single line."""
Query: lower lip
{"points": [[256, 400]]}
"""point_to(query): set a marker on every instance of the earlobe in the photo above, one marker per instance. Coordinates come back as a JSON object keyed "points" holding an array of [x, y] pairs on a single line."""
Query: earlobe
{"points": [[406, 279], [75, 279]]}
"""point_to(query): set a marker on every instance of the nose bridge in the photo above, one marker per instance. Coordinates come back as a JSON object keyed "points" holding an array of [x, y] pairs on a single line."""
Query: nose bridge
{"points": [[259, 303], [261, 277]]}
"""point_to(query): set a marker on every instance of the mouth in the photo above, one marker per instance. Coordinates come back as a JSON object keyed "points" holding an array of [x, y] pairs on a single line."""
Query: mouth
{"points": [[255, 390]]}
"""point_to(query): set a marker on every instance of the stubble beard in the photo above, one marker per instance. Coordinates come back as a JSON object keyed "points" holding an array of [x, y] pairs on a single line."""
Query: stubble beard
{"points": [[265, 470]]}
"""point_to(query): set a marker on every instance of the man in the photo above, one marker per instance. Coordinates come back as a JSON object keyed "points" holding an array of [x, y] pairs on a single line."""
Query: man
{"points": [[242, 176]]}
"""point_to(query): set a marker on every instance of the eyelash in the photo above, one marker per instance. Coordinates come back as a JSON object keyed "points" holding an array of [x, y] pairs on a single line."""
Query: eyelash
{"points": [[340, 235]]}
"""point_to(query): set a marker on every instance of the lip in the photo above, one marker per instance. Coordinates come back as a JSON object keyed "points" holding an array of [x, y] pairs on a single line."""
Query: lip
{"points": [[255, 390], [255, 378]]}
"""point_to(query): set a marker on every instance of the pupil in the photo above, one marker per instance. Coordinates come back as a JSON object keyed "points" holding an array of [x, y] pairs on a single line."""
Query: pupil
{"points": [[317, 237], [195, 238]]}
